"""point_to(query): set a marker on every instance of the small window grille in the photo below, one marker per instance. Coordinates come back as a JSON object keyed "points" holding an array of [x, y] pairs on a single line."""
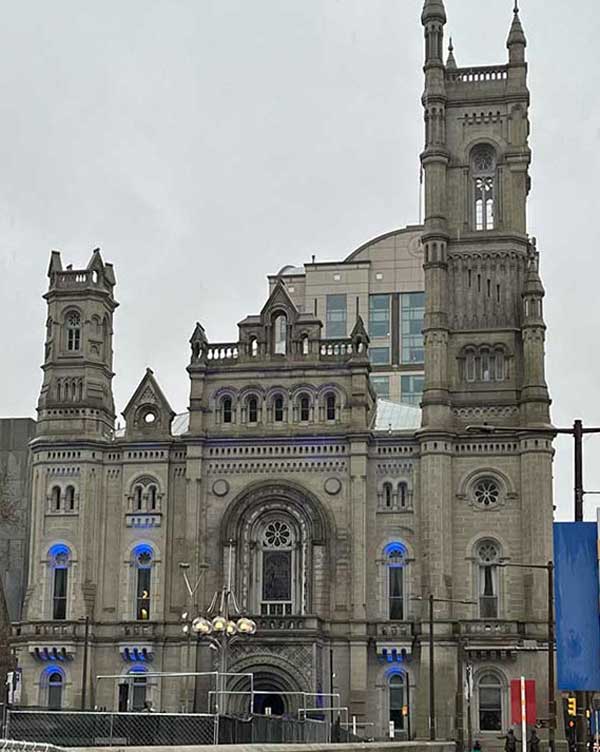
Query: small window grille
{"points": [[304, 409], [227, 410], [330, 406], [278, 409], [252, 410]]}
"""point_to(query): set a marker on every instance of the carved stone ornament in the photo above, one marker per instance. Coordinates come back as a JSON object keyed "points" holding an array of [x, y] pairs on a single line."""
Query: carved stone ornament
{"points": [[220, 487], [333, 486]]}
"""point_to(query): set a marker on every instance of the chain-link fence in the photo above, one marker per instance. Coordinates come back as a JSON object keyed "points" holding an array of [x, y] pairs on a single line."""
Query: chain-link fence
{"points": [[96, 729], [42, 731]]}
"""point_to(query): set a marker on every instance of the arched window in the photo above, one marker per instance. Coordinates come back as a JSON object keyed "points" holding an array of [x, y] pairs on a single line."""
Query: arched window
{"points": [[397, 694], [486, 368], [59, 556], [387, 495], [152, 498], [278, 552], [278, 410], [305, 344], [55, 495], [252, 410], [488, 558], [73, 326], [70, 499], [143, 557], [55, 690], [396, 565], [470, 365], [253, 347], [304, 408], [280, 334], [402, 494], [138, 496], [330, 406], [227, 408], [483, 170], [489, 700], [500, 364], [138, 693]]}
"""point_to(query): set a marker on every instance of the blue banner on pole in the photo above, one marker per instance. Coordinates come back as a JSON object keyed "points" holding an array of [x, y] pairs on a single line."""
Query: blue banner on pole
{"points": [[577, 606]]}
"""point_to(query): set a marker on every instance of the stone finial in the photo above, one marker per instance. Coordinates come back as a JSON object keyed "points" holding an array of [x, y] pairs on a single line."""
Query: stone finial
{"points": [[451, 61], [516, 35]]}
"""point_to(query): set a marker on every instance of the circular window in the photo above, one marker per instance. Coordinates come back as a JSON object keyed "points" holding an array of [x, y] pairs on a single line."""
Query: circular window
{"points": [[150, 417], [488, 552], [486, 492], [277, 535], [144, 559]]}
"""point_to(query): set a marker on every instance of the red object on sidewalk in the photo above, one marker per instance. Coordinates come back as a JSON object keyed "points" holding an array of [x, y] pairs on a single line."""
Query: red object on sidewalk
{"points": [[515, 702]]}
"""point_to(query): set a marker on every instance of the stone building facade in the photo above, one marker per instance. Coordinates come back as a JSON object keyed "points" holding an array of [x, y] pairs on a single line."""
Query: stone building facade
{"points": [[342, 512]]}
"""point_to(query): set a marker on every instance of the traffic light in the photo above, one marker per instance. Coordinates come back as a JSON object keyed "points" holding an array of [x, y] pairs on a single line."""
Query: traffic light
{"points": [[571, 706]]}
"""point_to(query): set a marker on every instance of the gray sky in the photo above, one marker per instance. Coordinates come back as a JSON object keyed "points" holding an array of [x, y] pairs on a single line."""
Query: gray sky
{"points": [[204, 143]]}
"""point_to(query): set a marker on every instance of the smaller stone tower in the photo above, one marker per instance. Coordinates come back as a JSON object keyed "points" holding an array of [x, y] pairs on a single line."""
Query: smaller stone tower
{"points": [[76, 397]]}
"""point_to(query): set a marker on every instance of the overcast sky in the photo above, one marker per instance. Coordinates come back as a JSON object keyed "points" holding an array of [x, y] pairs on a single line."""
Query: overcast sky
{"points": [[202, 144]]}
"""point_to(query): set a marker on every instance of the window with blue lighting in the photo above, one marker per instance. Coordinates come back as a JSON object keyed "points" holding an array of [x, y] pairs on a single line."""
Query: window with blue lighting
{"points": [[397, 700], [59, 560], [52, 684], [396, 580], [143, 559]]}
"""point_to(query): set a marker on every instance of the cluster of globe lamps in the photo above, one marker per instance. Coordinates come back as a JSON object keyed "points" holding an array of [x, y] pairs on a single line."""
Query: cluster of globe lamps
{"points": [[220, 625]]}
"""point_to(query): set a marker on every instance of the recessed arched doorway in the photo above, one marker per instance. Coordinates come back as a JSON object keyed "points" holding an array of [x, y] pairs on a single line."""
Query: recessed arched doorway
{"points": [[275, 692]]}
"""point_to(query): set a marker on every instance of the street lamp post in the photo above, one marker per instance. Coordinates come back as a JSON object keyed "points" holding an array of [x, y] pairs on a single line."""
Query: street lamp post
{"points": [[221, 623], [432, 600], [549, 567]]}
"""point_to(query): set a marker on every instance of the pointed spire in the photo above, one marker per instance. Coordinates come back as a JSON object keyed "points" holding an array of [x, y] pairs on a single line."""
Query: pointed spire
{"points": [[451, 61], [516, 36], [433, 10], [55, 263]]}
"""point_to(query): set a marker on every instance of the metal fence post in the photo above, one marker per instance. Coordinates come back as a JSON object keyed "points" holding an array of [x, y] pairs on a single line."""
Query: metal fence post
{"points": [[7, 724], [216, 734], [112, 716]]}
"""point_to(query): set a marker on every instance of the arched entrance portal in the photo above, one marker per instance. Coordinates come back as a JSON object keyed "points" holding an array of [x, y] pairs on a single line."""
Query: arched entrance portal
{"points": [[275, 693]]}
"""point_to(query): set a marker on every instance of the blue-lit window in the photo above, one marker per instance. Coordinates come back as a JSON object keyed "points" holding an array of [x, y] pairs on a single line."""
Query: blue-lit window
{"points": [[381, 385], [143, 561], [52, 684], [379, 316], [336, 315], [379, 356], [397, 692], [411, 389], [396, 570], [59, 562], [412, 313]]}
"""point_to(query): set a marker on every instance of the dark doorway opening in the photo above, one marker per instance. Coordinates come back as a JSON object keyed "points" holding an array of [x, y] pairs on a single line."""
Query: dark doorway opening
{"points": [[272, 701]]}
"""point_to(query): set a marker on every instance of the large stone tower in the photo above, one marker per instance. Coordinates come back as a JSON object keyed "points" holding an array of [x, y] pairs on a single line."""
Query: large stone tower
{"points": [[76, 396], [484, 330]]}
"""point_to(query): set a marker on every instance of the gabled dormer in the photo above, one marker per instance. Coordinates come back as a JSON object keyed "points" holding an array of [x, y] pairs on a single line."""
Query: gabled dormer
{"points": [[280, 330], [148, 414]]}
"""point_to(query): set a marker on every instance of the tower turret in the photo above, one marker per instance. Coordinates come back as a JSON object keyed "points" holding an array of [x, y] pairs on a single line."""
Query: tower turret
{"points": [[434, 161], [535, 400], [516, 41], [76, 396]]}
